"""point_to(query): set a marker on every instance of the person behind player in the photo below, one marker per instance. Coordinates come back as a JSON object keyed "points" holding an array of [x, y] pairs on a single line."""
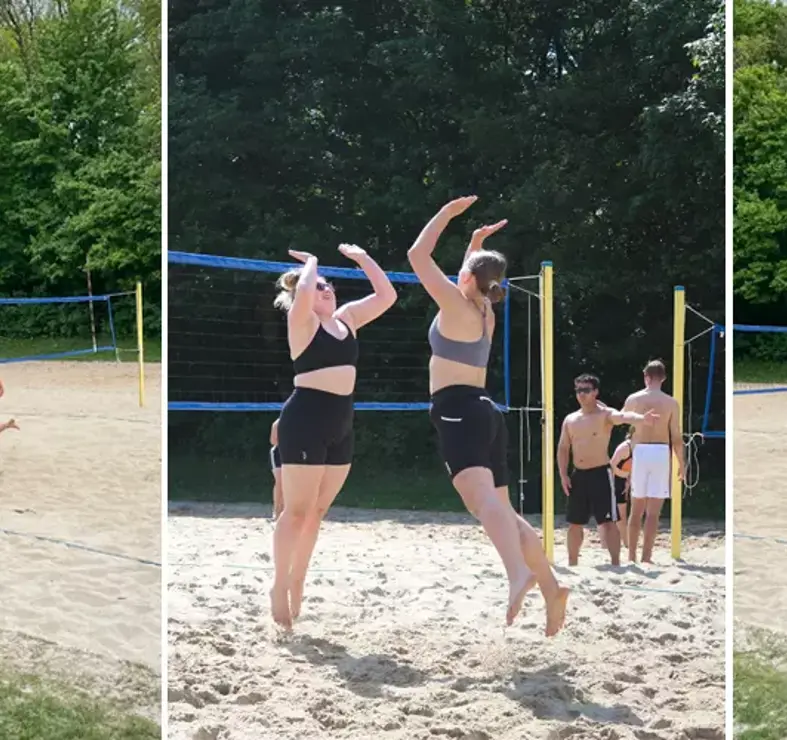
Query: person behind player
{"points": [[621, 467], [471, 429], [315, 430], [585, 437], [650, 466], [10, 424], [278, 501]]}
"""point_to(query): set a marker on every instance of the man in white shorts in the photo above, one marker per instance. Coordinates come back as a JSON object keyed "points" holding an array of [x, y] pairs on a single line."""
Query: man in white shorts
{"points": [[651, 458]]}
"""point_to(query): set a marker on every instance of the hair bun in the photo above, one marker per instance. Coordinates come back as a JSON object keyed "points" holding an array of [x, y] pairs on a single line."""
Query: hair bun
{"points": [[495, 292], [289, 280], [286, 285]]}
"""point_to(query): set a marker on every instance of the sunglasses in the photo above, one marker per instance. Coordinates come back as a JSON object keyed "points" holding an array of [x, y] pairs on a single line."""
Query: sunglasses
{"points": [[583, 389], [322, 287]]}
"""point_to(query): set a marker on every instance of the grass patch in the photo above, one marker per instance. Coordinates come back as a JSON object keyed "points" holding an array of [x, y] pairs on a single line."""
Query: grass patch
{"points": [[747, 370], [33, 710], [48, 346], [760, 690], [234, 481], [220, 480]]}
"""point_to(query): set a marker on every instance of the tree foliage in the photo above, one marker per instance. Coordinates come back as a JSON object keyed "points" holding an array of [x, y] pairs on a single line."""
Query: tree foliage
{"points": [[595, 127], [79, 148], [760, 173]]}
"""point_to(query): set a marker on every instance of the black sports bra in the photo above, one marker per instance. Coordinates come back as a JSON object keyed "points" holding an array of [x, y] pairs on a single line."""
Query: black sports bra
{"points": [[325, 350]]}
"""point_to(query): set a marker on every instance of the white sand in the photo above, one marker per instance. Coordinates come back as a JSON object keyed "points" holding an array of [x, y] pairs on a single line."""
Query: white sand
{"points": [[85, 469], [760, 591], [401, 637]]}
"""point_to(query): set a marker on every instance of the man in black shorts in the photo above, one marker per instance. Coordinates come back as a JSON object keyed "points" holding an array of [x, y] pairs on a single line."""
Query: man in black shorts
{"points": [[585, 437]]}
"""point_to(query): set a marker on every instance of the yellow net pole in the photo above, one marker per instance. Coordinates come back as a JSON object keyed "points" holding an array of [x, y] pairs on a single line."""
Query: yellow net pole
{"points": [[140, 346], [676, 489], [548, 413]]}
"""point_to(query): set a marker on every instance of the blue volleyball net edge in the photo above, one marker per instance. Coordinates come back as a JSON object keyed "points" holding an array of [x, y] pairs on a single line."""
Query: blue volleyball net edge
{"points": [[270, 266]]}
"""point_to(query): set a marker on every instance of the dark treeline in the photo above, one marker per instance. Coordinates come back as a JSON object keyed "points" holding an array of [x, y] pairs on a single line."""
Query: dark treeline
{"points": [[760, 175], [595, 127], [80, 154]]}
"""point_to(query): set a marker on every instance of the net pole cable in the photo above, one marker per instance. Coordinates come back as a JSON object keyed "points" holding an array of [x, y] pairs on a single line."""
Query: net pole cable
{"points": [[683, 392], [548, 414], [544, 297]]}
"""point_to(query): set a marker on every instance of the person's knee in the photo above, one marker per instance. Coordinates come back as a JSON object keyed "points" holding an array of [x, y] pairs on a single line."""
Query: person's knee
{"points": [[318, 513], [482, 504], [478, 494], [298, 510]]}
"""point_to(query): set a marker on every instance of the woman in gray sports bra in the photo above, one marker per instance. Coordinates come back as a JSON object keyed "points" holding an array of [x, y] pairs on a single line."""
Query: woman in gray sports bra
{"points": [[471, 429]]}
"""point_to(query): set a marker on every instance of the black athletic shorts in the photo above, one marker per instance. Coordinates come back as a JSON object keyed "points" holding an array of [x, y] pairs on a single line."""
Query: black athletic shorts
{"points": [[275, 458], [471, 431], [621, 494], [592, 495], [316, 428]]}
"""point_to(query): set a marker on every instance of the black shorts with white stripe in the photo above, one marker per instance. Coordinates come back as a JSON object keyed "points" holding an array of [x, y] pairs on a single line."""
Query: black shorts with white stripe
{"points": [[592, 494], [275, 458]]}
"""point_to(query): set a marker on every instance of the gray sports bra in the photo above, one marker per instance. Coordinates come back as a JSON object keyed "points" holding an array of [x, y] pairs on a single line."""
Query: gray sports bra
{"points": [[475, 354]]}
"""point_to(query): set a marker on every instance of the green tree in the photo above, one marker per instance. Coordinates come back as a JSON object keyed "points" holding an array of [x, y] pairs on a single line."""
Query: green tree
{"points": [[594, 126], [79, 140]]}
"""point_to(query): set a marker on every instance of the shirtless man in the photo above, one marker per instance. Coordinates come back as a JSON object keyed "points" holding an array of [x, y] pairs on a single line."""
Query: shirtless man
{"points": [[650, 468], [590, 489]]}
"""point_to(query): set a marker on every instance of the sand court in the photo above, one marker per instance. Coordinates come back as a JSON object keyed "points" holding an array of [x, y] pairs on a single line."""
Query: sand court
{"points": [[760, 521], [80, 509], [402, 636]]}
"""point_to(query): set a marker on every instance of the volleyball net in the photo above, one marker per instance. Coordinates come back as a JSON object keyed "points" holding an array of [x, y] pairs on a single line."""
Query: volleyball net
{"points": [[37, 329], [228, 351], [761, 359]]}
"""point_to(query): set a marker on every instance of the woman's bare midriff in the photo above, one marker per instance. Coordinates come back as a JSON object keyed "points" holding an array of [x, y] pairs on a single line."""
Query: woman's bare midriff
{"points": [[339, 380], [443, 373]]}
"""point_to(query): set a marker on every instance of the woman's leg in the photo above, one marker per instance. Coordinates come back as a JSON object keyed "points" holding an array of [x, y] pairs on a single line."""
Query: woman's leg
{"points": [[623, 524], [533, 553], [476, 487], [278, 498], [300, 486], [332, 482]]}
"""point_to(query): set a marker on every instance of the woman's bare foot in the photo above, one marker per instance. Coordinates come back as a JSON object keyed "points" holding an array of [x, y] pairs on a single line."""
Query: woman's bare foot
{"points": [[556, 611], [280, 607], [516, 595], [296, 597]]}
